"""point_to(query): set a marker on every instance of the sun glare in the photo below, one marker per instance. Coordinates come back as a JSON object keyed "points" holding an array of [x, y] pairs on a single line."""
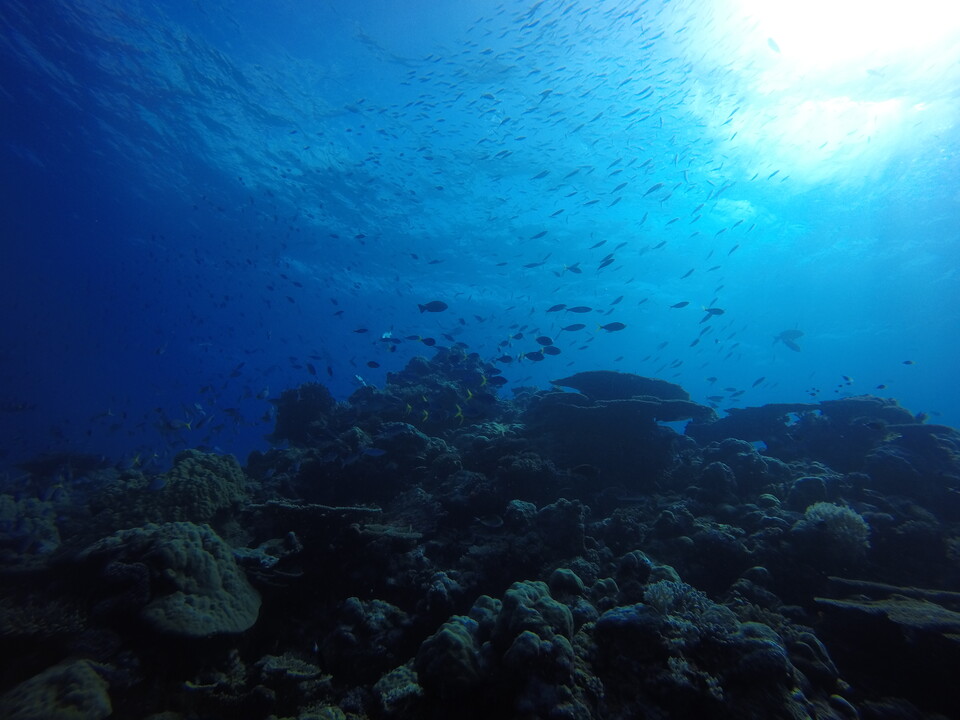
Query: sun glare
{"points": [[835, 84], [824, 34]]}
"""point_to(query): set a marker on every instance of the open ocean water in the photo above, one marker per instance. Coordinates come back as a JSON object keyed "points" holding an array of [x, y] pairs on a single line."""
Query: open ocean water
{"points": [[553, 359]]}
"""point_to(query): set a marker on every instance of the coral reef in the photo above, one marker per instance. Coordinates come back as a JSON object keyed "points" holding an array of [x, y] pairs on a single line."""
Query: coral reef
{"points": [[68, 691], [179, 578], [429, 549]]}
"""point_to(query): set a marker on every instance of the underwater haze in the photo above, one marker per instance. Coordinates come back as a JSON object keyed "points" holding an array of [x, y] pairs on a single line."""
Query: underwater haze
{"points": [[206, 204], [525, 359]]}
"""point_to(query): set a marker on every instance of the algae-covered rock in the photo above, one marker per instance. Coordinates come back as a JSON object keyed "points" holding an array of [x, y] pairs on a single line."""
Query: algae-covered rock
{"points": [[448, 662], [528, 605], [68, 691], [620, 437], [908, 646], [768, 423], [28, 532], [182, 579], [398, 692], [367, 639], [302, 413], [695, 657], [200, 487]]}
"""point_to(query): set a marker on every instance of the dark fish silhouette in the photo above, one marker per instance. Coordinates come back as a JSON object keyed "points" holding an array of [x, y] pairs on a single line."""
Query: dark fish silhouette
{"points": [[789, 338], [433, 306]]}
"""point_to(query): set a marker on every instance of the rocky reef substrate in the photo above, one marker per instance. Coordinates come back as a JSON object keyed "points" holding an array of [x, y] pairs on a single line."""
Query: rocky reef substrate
{"points": [[431, 550]]}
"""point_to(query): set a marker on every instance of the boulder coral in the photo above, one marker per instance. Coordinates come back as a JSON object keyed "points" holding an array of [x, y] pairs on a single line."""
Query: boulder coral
{"points": [[180, 578], [72, 690], [201, 487]]}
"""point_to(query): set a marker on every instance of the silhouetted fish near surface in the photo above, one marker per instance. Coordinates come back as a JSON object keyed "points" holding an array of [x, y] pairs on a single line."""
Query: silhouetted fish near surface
{"points": [[580, 309], [433, 306], [612, 327], [681, 304], [574, 327]]}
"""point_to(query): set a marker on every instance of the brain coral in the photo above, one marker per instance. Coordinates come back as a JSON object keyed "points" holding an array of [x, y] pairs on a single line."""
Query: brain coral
{"points": [[196, 587]]}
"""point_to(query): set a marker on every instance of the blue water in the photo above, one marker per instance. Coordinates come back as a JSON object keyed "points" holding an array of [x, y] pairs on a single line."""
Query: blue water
{"points": [[204, 204]]}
